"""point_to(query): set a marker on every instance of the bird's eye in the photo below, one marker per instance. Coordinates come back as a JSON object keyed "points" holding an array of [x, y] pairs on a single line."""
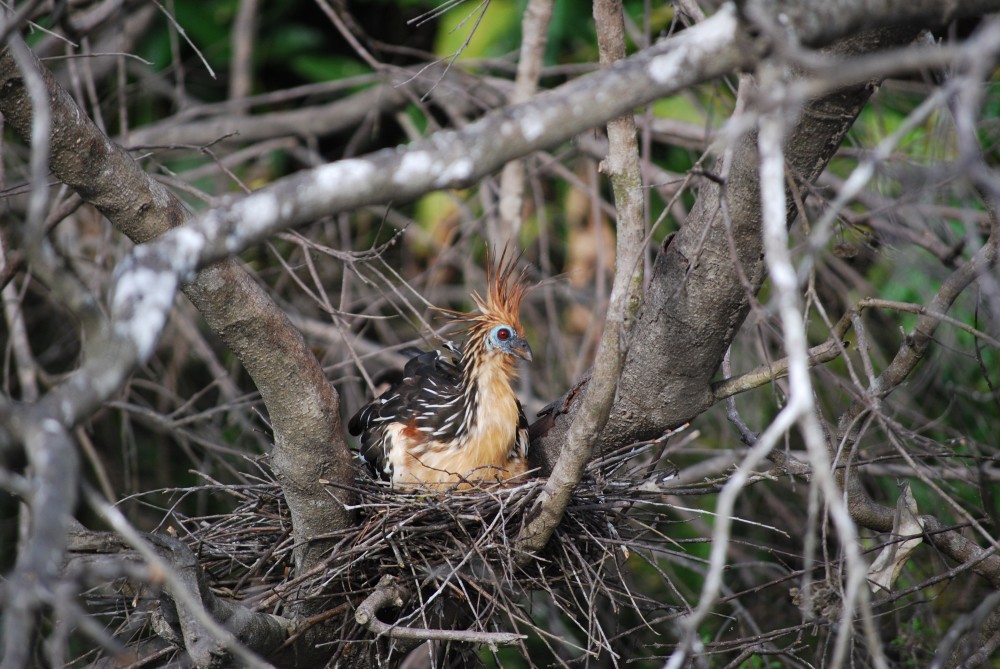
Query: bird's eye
{"points": [[503, 334]]}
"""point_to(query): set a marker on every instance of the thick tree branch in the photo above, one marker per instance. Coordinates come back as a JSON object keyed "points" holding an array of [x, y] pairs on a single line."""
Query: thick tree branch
{"points": [[817, 23], [459, 158]]}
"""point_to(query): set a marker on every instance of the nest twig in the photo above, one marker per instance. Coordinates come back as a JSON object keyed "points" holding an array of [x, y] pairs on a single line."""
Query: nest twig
{"points": [[432, 565]]}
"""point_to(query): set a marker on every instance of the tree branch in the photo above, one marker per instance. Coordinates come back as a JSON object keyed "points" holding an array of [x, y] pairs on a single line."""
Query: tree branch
{"points": [[320, 120], [389, 594], [54, 462], [816, 23], [755, 378]]}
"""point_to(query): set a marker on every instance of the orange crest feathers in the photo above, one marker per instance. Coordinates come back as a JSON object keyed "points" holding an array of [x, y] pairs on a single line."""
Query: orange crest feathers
{"points": [[504, 292], [503, 296]]}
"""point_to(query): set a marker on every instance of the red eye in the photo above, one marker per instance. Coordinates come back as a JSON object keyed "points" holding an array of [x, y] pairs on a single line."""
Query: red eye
{"points": [[503, 334]]}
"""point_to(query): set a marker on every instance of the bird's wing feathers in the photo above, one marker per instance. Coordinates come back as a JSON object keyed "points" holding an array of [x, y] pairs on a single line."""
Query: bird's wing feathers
{"points": [[431, 385]]}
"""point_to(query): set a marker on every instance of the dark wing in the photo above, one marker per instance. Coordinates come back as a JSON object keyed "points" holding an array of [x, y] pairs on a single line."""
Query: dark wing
{"points": [[427, 397], [522, 439]]}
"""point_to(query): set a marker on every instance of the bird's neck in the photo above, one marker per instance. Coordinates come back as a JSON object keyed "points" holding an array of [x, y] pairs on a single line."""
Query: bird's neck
{"points": [[488, 393], [488, 373]]}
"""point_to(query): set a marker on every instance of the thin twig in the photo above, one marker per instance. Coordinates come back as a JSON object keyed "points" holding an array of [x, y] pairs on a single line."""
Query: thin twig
{"points": [[755, 378]]}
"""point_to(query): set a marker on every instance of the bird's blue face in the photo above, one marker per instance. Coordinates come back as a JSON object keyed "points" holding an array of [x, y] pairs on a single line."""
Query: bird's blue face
{"points": [[505, 339]]}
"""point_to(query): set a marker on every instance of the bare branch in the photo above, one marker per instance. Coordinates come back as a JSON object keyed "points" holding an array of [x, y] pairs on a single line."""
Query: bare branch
{"points": [[243, 40], [875, 303], [829, 350], [816, 23], [314, 120], [53, 498], [389, 593]]}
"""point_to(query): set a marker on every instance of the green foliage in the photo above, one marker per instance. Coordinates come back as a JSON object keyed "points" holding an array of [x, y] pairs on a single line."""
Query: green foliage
{"points": [[490, 31]]}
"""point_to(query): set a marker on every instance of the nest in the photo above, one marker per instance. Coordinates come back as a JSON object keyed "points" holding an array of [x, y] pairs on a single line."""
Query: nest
{"points": [[453, 556]]}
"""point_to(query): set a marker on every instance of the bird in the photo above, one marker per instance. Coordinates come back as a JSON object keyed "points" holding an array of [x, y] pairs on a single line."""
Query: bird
{"points": [[453, 420]]}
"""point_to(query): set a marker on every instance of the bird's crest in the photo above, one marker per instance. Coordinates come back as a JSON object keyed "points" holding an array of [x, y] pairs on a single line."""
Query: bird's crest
{"points": [[504, 291]]}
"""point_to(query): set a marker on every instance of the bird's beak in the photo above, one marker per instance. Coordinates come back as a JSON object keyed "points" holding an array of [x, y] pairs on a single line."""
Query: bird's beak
{"points": [[520, 348]]}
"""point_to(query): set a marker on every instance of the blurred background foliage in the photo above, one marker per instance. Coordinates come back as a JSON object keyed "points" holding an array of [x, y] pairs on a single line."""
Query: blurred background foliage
{"points": [[192, 413]]}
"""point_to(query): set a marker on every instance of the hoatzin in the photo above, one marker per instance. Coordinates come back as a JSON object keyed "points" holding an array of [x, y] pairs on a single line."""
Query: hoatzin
{"points": [[454, 419]]}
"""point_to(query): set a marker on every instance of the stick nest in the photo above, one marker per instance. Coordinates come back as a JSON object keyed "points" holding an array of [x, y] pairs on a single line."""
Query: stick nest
{"points": [[453, 554]]}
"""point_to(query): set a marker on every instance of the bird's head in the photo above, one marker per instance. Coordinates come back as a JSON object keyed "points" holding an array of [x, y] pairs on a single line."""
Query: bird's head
{"points": [[496, 328], [505, 339]]}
